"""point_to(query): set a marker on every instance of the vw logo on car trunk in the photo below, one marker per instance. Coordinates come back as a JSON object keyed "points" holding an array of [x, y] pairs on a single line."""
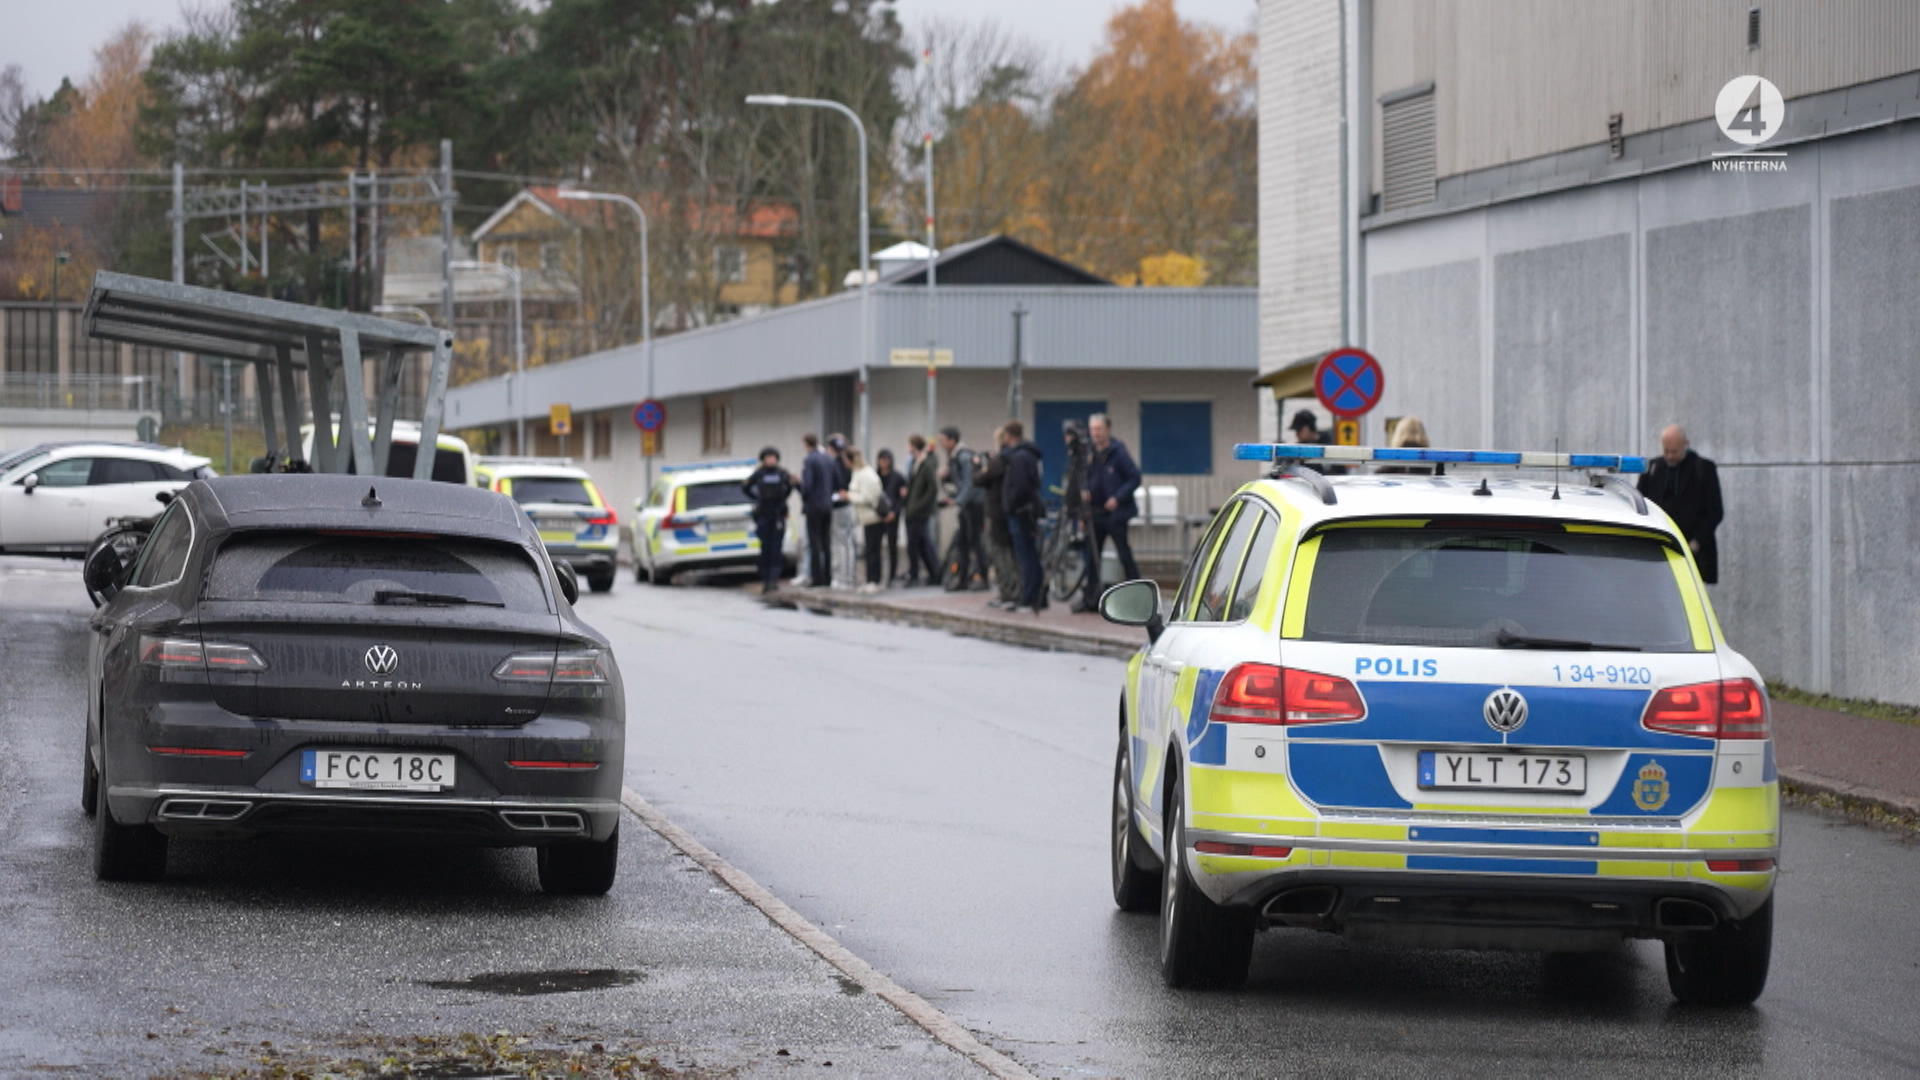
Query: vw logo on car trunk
{"points": [[382, 659], [1505, 710]]}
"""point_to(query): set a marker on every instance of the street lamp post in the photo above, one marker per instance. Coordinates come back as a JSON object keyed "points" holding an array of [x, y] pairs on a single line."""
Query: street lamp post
{"points": [[866, 283], [517, 400], [646, 287]]}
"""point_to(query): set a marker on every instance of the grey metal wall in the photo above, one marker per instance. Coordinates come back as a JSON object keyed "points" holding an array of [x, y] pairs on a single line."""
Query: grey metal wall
{"points": [[1068, 327], [1772, 314]]}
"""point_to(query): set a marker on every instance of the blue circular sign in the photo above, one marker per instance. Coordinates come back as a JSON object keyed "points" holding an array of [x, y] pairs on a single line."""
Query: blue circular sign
{"points": [[650, 415], [1349, 382]]}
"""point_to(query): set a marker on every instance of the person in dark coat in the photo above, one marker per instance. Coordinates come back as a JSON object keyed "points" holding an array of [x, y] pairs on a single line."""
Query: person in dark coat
{"points": [[1076, 511], [921, 499], [818, 475], [1112, 479], [998, 550], [893, 483], [971, 509], [1020, 498], [1687, 487], [770, 486]]}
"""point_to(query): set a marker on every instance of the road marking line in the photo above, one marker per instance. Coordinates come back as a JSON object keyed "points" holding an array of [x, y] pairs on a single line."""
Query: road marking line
{"points": [[916, 1008]]}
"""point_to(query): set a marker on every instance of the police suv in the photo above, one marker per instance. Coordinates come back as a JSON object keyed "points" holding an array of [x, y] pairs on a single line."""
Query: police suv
{"points": [[699, 517], [1488, 708]]}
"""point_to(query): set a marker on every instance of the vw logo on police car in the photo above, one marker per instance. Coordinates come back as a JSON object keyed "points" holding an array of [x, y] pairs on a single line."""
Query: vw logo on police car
{"points": [[381, 659], [1505, 710]]}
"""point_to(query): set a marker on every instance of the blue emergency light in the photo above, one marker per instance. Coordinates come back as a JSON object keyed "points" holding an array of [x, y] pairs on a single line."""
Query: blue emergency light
{"points": [[728, 464], [1344, 455]]}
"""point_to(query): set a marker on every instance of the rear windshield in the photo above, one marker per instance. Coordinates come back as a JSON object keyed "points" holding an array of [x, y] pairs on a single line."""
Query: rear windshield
{"points": [[1489, 587], [345, 568], [708, 496], [551, 489], [449, 466]]}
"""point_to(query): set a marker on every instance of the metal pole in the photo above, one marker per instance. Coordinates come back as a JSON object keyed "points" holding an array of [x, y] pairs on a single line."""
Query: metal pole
{"points": [[933, 337], [646, 290], [1014, 374], [446, 234], [353, 222], [179, 216], [266, 265], [245, 255], [226, 406], [519, 366]]}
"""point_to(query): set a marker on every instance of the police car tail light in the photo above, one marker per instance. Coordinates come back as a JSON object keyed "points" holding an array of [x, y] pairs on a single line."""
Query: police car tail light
{"points": [[188, 654], [1727, 709], [1265, 694], [607, 517], [585, 666]]}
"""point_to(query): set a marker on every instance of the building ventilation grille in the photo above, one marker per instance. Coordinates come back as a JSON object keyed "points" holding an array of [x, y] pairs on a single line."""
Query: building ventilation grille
{"points": [[1407, 161], [1753, 27]]}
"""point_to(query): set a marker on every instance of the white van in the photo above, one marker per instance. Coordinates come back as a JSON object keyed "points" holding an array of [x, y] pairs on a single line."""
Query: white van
{"points": [[452, 459]]}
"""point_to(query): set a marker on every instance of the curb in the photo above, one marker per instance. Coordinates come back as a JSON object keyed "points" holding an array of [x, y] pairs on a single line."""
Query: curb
{"points": [[1869, 806], [997, 630], [945, 1029]]}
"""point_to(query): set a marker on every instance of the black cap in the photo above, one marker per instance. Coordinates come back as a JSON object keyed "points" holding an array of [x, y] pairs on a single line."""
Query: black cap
{"points": [[1304, 418], [837, 442], [774, 450]]}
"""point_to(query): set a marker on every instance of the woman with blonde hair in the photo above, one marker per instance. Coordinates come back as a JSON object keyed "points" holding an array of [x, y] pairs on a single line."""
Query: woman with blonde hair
{"points": [[1408, 432], [869, 498]]}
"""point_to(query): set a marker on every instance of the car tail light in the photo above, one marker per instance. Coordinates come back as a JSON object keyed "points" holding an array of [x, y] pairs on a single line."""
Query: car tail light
{"points": [[607, 518], [1258, 851], [575, 668], [672, 522], [188, 654], [1727, 709], [1265, 694], [554, 764], [1738, 866], [196, 751]]}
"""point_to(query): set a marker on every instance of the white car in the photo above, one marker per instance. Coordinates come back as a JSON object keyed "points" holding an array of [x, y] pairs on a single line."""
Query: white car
{"points": [[698, 517], [57, 497], [1478, 710], [576, 523]]}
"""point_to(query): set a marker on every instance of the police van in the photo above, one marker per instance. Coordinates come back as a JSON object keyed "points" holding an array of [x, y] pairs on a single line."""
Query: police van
{"points": [[1481, 701]]}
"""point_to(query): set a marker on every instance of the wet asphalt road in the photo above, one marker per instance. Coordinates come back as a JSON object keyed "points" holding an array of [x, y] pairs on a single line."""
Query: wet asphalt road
{"points": [[325, 948], [939, 804]]}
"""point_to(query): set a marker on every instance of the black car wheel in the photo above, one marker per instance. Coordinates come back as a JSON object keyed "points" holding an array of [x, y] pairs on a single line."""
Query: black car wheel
{"points": [[661, 576], [601, 581], [89, 781], [1202, 944], [1135, 885], [1726, 965], [586, 869], [124, 852]]}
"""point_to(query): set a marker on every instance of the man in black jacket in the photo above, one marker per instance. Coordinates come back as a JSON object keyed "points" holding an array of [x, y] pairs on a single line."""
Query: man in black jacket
{"points": [[817, 476], [1020, 498], [1687, 487], [1112, 479], [770, 486], [923, 496]]}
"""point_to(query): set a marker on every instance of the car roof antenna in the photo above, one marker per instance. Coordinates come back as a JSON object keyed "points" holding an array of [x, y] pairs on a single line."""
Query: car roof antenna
{"points": [[372, 501], [1556, 466]]}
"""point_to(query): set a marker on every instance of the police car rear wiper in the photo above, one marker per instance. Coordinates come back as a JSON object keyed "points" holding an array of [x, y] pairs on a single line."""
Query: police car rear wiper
{"points": [[403, 596], [1508, 640]]}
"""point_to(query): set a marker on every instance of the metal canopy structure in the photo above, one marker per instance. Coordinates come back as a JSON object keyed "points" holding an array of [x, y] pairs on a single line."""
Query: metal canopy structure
{"points": [[333, 348]]}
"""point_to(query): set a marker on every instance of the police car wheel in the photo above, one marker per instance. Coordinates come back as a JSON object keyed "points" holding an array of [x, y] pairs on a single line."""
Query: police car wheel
{"points": [[1723, 966], [1136, 887], [661, 576], [1202, 945], [601, 582]]}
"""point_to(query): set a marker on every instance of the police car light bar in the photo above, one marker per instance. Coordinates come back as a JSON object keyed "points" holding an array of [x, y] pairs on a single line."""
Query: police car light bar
{"points": [[1342, 455], [692, 465]]}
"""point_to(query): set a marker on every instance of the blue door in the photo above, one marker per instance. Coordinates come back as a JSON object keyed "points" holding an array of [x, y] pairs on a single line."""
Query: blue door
{"points": [[1048, 418]]}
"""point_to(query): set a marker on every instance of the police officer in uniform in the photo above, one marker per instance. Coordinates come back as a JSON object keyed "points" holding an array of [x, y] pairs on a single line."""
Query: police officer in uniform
{"points": [[770, 486]]}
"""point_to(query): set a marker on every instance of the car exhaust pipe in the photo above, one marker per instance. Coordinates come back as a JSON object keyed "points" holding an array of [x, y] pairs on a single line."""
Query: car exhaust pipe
{"points": [[203, 809], [1676, 913], [545, 821], [1310, 906]]}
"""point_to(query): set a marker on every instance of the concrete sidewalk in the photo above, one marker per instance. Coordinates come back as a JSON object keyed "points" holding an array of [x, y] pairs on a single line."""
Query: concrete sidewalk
{"points": [[1859, 763]]}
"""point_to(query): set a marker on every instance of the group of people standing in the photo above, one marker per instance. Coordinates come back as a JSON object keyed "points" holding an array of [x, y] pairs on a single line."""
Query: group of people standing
{"points": [[854, 512]]}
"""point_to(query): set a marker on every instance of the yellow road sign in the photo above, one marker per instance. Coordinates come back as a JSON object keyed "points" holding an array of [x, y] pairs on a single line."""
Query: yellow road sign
{"points": [[1346, 433], [649, 444], [560, 419]]}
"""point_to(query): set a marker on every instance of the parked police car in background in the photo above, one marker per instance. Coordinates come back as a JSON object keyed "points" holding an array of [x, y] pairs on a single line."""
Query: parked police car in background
{"points": [[698, 517], [1481, 710], [576, 523], [55, 498]]}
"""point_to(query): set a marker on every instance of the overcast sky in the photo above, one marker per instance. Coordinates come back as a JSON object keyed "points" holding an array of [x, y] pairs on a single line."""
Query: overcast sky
{"points": [[49, 40]]}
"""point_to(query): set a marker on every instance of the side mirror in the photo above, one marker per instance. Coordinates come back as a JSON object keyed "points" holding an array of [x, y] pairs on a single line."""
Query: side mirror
{"points": [[164, 498], [569, 582], [1134, 603], [32, 481]]}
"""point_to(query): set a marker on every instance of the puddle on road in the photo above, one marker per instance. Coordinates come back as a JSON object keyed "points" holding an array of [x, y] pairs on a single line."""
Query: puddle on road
{"points": [[535, 983]]}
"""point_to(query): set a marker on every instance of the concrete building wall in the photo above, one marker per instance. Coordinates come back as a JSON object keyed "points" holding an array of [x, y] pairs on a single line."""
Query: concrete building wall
{"points": [[1300, 219], [1514, 81], [1770, 313]]}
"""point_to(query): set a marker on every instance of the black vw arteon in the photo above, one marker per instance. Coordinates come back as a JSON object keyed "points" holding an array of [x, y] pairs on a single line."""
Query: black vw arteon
{"points": [[333, 653]]}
